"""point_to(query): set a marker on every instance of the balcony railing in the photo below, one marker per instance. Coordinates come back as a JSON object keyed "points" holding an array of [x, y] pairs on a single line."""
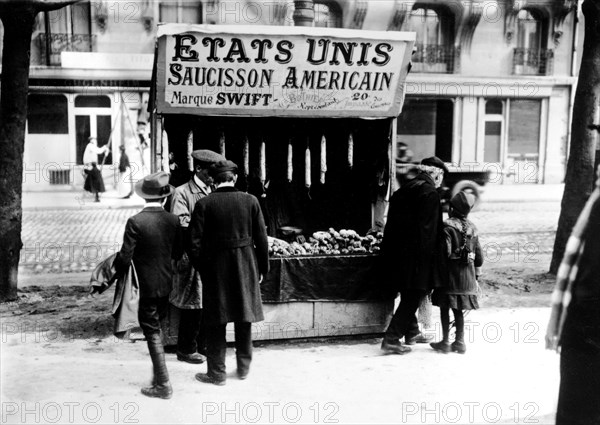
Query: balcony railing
{"points": [[533, 61], [436, 58], [51, 45]]}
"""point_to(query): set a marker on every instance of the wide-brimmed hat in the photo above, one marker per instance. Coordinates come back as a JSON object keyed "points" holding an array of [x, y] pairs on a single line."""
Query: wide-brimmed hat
{"points": [[222, 166], [206, 155], [463, 202], [154, 186], [434, 161]]}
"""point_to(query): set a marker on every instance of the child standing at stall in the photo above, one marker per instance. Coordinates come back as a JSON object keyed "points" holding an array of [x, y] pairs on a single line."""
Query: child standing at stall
{"points": [[464, 261]]}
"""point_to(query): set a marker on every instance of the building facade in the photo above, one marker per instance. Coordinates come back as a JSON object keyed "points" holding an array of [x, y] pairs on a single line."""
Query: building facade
{"points": [[491, 84]]}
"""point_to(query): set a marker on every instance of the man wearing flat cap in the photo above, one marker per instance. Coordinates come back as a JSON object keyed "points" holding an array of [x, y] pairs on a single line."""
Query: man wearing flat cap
{"points": [[412, 252], [151, 240], [229, 247], [187, 285]]}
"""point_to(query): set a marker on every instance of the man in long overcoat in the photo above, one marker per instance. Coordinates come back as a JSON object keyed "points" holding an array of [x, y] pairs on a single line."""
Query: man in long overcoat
{"points": [[412, 251], [187, 285], [229, 246]]}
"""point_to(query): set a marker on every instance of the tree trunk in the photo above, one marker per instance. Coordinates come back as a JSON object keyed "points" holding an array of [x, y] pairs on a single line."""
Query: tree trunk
{"points": [[579, 180], [18, 27]]}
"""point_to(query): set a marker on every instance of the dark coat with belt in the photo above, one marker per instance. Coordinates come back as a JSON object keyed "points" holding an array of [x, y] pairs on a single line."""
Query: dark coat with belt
{"points": [[152, 238], [413, 240], [229, 246]]}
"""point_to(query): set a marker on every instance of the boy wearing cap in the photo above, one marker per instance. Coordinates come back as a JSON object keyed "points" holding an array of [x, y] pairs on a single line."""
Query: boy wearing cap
{"points": [[229, 247], [464, 261], [412, 241], [152, 238], [187, 286]]}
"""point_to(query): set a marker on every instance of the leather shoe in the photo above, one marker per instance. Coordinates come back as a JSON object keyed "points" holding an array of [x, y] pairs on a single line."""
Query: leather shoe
{"points": [[207, 379], [442, 346], [459, 347], [164, 391], [394, 347], [194, 358], [242, 375], [418, 339]]}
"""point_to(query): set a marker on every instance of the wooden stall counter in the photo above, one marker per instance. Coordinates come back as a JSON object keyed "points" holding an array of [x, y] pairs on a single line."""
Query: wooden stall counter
{"points": [[316, 296]]}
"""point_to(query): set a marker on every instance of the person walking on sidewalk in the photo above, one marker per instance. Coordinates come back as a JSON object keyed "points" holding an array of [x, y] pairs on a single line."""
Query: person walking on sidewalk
{"points": [[186, 295], [465, 259], [411, 250], [125, 186], [229, 246], [152, 238], [93, 180]]}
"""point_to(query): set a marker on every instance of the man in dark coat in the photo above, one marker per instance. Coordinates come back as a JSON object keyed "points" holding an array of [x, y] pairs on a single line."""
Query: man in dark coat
{"points": [[186, 295], [412, 251], [152, 238], [229, 246]]}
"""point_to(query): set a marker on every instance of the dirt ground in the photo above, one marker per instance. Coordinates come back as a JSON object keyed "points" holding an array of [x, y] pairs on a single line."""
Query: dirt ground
{"points": [[61, 364]]}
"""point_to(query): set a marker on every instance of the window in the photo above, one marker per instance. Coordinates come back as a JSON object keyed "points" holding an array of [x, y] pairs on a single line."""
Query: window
{"points": [[328, 14], [531, 56], [434, 47], [66, 30], [426, 24], [529, 31], [494, 127], [47, 114], [179, 11], [425, 125]]}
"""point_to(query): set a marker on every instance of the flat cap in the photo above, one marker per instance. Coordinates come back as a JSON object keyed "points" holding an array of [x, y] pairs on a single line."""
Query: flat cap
{"points": [[206, 155], [222, 166], [434, 161]]}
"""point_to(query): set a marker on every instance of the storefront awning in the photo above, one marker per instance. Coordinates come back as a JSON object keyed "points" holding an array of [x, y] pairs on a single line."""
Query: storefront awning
{"points": [[280, 71]]}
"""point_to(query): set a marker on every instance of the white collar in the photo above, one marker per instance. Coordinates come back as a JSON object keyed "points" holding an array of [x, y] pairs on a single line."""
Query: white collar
{"points": [[201, 184], [153, 205]]}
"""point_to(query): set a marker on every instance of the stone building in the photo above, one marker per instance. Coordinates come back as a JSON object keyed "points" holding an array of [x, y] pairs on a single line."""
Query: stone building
{"points": [[491, 84]]}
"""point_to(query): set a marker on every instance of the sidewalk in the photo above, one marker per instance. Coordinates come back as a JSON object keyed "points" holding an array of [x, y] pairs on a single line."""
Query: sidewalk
{"points": [[78, 199], [522, 192]]}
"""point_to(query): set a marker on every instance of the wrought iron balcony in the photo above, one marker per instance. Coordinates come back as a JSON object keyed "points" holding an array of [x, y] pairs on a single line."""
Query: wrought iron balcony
{"points": [[51, 45], [436, 58], [533, 61]]}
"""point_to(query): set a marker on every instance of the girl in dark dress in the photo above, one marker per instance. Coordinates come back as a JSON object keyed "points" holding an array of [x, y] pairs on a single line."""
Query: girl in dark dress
{"points": [[464, 262]]}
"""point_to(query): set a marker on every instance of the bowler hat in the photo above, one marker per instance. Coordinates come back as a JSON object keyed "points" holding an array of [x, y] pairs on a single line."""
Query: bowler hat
{"points": [[222, 166], [154, 186], [434, 161], [206, 155], [462, 202]]}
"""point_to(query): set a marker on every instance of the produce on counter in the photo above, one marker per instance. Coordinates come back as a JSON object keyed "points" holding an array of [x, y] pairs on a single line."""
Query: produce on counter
{"points": [[331, 242]]}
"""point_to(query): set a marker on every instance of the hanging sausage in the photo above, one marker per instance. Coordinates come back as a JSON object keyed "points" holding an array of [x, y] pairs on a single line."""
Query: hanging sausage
{"points": [[263, 165], [350, 151], [290, 165], [307, 181], [246, 157], [323, 165], [222, 143]]}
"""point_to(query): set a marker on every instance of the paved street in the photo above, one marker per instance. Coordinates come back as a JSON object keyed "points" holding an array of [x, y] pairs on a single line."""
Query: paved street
{"points": [[65, 232]]}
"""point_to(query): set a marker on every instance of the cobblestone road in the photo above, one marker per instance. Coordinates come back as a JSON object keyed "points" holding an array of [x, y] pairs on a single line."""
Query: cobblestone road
{"points": [[75, 240]]}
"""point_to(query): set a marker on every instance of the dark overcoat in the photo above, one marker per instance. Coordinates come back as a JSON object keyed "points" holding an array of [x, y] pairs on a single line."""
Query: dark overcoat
{"points": [[229, 246], [412, 245], [152, 238]]}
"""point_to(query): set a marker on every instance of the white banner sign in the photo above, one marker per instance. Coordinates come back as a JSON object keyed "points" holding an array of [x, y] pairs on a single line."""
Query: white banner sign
{"points": [[275, 71]]}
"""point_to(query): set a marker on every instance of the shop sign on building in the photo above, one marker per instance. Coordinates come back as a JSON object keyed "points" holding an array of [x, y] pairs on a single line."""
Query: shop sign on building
{"points": [[291, 72]]}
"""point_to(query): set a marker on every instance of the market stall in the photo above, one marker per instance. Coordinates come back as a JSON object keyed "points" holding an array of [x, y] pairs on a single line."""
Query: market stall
{"points": [[308, 115]]}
